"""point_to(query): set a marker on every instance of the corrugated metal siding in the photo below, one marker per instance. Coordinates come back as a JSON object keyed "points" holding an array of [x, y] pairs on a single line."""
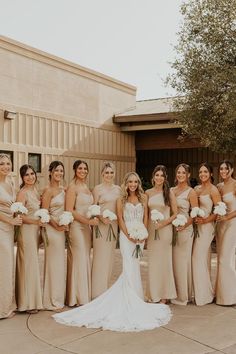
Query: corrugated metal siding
{"points": [[67, 141]]}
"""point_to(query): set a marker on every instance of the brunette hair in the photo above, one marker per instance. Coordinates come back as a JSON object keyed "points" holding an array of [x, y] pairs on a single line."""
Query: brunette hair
{"points": [[166, 186], [228, 164], [53, 165], [76, 165], [23, 171], [187, 170], [209, 169], [124, 188]]}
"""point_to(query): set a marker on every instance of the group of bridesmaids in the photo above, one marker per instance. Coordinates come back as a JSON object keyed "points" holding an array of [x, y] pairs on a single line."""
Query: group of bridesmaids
{"points": [[175, 273]]}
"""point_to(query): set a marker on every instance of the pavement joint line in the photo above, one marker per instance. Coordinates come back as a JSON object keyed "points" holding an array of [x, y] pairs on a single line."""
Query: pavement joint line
{"points": [[55, 346], [43, 341], [194, 340]]}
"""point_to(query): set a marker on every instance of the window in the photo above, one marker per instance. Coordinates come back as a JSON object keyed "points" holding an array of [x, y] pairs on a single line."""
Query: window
{"points": [[35, 161], [10, 154]]}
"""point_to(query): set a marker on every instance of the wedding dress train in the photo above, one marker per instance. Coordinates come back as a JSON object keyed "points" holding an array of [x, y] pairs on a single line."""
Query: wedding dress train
{"points": [[121, 307]]}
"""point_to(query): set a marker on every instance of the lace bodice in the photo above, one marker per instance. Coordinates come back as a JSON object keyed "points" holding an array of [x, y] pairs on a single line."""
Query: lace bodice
{"points": [[133, 212]]}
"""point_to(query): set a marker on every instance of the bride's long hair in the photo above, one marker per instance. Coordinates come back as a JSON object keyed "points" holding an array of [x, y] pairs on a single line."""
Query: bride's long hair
{"points": [[125, 191]]}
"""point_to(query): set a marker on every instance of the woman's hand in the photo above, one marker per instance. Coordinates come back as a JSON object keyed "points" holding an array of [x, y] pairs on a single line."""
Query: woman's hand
{"points": [[158, 225], [17, 221], [220, 218], [93, 221], [105, 221], [199, 221]]}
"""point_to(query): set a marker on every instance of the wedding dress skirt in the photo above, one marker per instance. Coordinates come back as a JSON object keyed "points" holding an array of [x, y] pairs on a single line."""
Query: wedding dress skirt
{"points": [[121, 307]]}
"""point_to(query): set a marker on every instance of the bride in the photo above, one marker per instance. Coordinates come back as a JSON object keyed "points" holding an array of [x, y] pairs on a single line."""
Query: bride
{"points": [[121, 307]]}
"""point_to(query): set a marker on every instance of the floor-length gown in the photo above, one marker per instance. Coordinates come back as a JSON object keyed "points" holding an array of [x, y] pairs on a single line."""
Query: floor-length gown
{"points": [[161, 284], [203, 290], [182, 253], [103, 249], [54, 264], [7, 299], [28, 287], [226, 278], [121, 307], [78, 289]]}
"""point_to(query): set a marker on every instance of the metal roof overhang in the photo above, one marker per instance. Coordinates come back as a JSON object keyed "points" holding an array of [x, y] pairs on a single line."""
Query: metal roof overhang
{"points": [[157, 121]]}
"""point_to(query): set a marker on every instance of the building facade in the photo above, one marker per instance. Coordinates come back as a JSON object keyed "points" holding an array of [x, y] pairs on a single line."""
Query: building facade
{"points": [[54, 109]]}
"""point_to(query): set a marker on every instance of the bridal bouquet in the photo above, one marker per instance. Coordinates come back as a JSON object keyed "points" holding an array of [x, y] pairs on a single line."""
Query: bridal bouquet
{"points": [[17, 209], [180, 220], [221, 210], [196, 211], [44, 217], [138, 232], [156, 216], [111, 216], [93, 211], [65, 219]]}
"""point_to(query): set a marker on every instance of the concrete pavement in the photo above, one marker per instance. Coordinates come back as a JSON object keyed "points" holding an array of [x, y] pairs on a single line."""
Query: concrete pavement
{"points": [[192, 330]]}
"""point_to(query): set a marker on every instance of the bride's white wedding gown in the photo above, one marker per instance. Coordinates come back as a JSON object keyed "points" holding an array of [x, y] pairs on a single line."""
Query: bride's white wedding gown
{"points": [[121, 307]]}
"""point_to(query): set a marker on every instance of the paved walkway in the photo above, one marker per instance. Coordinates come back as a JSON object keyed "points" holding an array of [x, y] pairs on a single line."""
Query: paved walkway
{"points": [[192, 330]]}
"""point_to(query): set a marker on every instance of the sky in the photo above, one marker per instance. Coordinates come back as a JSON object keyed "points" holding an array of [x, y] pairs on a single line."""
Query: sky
{"points": [[129, 40]]}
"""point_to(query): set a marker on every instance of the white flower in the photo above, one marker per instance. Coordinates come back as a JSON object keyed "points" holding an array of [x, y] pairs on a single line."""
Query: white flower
{"points": [[19, 208], [180, 220], [196, 211], [156, 215], [93, 210], [66, 218], [109, 214], [43, 215], [220, 209], [137, 231]]}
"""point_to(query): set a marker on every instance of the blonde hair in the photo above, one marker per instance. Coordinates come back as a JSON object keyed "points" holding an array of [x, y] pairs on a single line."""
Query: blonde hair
{"points": [[124, 188], [108, 164]]}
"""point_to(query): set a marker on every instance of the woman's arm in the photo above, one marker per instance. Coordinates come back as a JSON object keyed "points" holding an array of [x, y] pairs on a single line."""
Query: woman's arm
{"points": [[26, 220], [70, 206]]}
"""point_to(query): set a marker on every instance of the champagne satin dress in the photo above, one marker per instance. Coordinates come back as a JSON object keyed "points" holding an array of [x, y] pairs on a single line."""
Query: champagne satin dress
{"points": [[54, 266], [203, 290], [226, 278], [78, 289], [103, 249], [7, 299], [182, 253], [161, 284], [28, 287]]}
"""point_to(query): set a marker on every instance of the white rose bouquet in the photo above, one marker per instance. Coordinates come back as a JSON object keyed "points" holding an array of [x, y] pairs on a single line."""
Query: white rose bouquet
{"points": [[111, 216], [65, 219], [44, 217], [17, 209], [221, 210], [138, 232], [195, 212], [180, 220], [94, 210], [156, 216]]}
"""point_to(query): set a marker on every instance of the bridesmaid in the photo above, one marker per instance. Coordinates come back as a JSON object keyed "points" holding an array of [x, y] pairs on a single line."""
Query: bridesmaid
{"points": [[53, 199], [78, 199], [208, 196], [161, 284], [28, 287], [226, 278], [7, 222], [182, 251], [105, 195]]}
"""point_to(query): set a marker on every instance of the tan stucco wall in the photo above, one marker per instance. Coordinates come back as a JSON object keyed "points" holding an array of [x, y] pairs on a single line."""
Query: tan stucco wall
{"points": [[63, 111]]}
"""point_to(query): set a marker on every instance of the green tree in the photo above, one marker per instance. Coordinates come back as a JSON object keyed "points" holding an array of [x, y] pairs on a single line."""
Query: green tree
{"points": [[204, 72]]}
